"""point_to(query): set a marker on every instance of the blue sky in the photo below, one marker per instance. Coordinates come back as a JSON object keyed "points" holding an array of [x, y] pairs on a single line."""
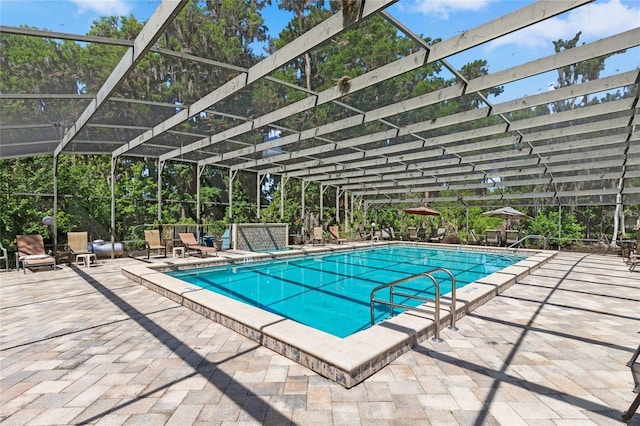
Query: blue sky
{"points": [[433, 18]]}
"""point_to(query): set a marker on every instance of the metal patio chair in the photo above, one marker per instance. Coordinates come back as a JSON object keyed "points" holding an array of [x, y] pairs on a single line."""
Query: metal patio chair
{"points": [[77, 244], [152, 241]]}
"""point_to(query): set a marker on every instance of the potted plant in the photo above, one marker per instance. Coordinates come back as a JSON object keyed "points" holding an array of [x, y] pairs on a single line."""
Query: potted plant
{"points": [[295, 232], [217, 229]]}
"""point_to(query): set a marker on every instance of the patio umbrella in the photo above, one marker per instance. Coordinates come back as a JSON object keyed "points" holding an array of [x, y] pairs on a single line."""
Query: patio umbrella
{"points": [[422, 211], [507, 213]]}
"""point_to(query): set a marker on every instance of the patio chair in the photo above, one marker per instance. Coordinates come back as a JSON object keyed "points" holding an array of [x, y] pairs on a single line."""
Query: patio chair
{"points": [[318, 235], [512, 237], [334, 233], [439, 235], [31, 253], [152, 241], [189, 241], [634, 256], [493, 237], [413, 233], [77, 243], [635, 374], [627, 248], [4, 256]]}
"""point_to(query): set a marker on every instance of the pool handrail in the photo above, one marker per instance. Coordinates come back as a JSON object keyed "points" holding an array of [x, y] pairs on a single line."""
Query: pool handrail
{"points": [[528, 237], [391, 286]]}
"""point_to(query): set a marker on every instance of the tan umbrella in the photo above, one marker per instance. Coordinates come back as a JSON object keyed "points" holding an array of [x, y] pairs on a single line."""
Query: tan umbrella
{"points": [[422, 211], [507, 213]]}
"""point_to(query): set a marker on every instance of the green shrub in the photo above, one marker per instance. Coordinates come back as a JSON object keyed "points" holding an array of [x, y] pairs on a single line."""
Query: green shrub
{"points": [[546, 224]]}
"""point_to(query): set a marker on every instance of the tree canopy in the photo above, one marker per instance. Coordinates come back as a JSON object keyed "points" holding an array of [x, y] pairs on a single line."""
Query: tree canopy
{"points": [[221, 35]]}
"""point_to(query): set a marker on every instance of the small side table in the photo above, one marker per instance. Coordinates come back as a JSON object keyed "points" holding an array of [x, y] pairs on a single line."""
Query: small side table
{"points": [[86, 259], [178, 252]]}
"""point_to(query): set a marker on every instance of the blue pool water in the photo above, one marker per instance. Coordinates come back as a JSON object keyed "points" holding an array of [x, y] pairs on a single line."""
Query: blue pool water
{"points": [[331, 292]]}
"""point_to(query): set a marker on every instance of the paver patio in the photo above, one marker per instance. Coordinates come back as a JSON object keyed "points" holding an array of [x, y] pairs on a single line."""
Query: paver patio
{"points": [[89, 346]]}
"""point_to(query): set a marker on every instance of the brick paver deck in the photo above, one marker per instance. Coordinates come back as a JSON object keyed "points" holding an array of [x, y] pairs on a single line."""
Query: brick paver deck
{"points": [[88, 346]]}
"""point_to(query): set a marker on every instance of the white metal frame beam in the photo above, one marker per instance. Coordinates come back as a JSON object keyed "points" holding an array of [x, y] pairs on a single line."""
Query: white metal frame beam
{"points": [[155, 26], [524, 17], [298, 47]]}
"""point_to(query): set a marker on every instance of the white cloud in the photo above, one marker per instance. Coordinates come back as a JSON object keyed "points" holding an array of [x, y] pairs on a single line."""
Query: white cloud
{"points": [[596, 21], [442, 9], [104, 7]]}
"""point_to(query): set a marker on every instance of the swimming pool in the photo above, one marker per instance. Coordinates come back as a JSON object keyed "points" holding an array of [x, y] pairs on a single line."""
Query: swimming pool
{"points": [[330, 292], [344, 360]]}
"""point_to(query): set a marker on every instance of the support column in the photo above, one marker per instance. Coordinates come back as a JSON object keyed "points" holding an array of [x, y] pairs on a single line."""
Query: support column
{"points": [[112, 231], [55, 207], [322, 189], [283, 185], [468, 234], [346, 212], [199, 171], [351, 222], [303, 186], [559, 224], [337, 205], [364, 217], [618, 212], [160, 167], [259, 179], [232, 177]]}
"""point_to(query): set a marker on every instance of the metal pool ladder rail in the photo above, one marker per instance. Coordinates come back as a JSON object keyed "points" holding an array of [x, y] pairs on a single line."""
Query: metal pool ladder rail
{"points": [[392, 292], [529, 237]]}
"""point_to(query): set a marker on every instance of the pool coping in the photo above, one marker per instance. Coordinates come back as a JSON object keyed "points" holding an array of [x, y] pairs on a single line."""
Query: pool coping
{"points": [[346, 361]]}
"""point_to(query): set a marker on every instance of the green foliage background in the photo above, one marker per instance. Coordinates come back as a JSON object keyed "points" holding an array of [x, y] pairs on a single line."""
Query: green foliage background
{"points": [[223, 31]]}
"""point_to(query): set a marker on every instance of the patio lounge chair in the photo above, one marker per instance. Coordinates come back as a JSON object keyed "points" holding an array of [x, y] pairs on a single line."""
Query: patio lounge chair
{"points": [[152, 241], [189, 241], [474, 239], [380, 235], [335, 235], [392, 233], [413, 233], [77, 243], [31, 253], [438, 236], [318, 235]]}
